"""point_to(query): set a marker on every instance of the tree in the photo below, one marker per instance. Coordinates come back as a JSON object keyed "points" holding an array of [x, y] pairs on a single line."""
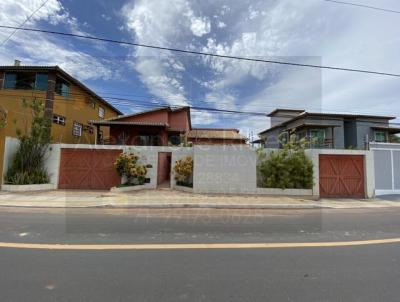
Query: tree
{"points": [[27, 165]]}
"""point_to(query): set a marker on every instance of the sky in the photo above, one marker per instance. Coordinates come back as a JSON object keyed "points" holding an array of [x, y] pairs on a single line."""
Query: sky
{"points": [[308, 31]]}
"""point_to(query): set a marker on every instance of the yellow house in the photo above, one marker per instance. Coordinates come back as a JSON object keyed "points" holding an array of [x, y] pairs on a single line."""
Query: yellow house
{"points": [[68, 102]]}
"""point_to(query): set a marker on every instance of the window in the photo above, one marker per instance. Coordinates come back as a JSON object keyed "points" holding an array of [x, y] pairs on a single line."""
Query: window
{"points": [[58, 119], [10, 81], [20, 80], [174, 139], [102, 112], [62, 87], [317, 137], [25, 80], [380, 136], [41, 81], [149, 140], [77, 129], [284, 137]]}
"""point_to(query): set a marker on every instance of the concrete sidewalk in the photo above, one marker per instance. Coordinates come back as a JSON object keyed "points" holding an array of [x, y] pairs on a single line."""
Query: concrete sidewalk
{"points": [[165, 198]]}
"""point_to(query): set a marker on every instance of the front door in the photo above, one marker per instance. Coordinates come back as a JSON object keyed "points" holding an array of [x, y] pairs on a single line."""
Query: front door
{"points": [[164, 169]]}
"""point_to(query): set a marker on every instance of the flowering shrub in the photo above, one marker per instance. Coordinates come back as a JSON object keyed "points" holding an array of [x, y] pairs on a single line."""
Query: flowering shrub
{"points": [[126, 165], [183, 171], [139, 172]]}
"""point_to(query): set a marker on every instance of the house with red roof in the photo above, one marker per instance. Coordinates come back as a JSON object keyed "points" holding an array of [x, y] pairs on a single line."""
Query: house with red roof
{"points": [[164, 126]]}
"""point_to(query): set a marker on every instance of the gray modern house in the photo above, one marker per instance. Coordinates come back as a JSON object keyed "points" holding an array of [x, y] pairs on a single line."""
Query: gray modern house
{"points": [[327, 130]]}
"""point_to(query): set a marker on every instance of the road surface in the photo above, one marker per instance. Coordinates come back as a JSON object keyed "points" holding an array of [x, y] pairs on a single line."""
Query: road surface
{"points": [[339, 273]]}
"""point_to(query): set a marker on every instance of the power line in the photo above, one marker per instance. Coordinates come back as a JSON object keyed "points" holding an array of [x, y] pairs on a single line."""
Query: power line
{"points": [[195, 108], [364, 6], [150, 103], [262, 109], [144, 105], [123, 100], [23, 23], [201, 53]]}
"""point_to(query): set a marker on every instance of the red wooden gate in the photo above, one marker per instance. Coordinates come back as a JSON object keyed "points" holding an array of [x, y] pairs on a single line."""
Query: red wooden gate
{"points": [[341, 176], [88, 169]]}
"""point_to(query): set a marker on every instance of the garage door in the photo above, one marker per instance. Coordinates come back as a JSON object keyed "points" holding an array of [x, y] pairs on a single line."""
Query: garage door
{"points": [[341, 176], [88, 169]]}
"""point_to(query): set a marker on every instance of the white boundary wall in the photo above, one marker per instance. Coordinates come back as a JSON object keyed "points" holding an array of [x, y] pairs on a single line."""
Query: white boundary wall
{"points": [[52, 162], [217, 169], [148, 155], [224, 169]]}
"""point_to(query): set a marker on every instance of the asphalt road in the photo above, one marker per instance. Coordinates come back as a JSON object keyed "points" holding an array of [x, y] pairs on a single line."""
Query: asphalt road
{"points": [[354, 273]]}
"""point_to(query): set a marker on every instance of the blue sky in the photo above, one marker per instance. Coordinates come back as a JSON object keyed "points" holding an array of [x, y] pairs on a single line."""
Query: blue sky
{"points": [[312, 31]]}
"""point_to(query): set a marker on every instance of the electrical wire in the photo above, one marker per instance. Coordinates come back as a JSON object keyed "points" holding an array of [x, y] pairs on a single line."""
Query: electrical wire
{"points": [[23, 23], [135, 103], [338, 118], [201, 53], [364, 6]]}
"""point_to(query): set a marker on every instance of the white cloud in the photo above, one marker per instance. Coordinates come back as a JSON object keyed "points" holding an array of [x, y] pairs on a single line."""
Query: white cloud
{"points": [[159, 83], [106, 17], [253, 13], [155, 22], [34, 48], [202, 118], [308, 32], [200, 26], [221, 24], [221, 100]]}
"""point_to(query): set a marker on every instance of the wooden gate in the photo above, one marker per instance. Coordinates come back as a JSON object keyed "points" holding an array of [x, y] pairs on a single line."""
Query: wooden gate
{"points": [[341, 176], [88, 169]]}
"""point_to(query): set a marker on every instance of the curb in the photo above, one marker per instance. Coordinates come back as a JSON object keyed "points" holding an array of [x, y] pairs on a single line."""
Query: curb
{"points": [[121, 205], [177, 206]]}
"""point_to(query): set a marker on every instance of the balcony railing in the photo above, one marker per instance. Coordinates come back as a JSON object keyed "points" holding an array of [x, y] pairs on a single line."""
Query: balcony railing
{"points": [[319, 143]]}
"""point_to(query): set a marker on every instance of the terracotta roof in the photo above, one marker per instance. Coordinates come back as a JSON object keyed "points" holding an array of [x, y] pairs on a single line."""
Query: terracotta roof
{"points": [[213, 133], [64, 74], [109, 123], [168, 108]]}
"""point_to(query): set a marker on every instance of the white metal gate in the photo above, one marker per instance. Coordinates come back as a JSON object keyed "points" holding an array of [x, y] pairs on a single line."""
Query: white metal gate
{"points": [[387, 168]]}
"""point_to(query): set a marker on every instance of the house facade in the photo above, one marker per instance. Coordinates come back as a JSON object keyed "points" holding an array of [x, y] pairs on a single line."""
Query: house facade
{"points": [[164, 126], [327, 130], [68, 103]]}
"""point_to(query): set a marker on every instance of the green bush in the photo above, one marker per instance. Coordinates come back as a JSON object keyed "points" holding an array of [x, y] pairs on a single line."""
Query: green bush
{"points": [[27, 165], [288, 168]]}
